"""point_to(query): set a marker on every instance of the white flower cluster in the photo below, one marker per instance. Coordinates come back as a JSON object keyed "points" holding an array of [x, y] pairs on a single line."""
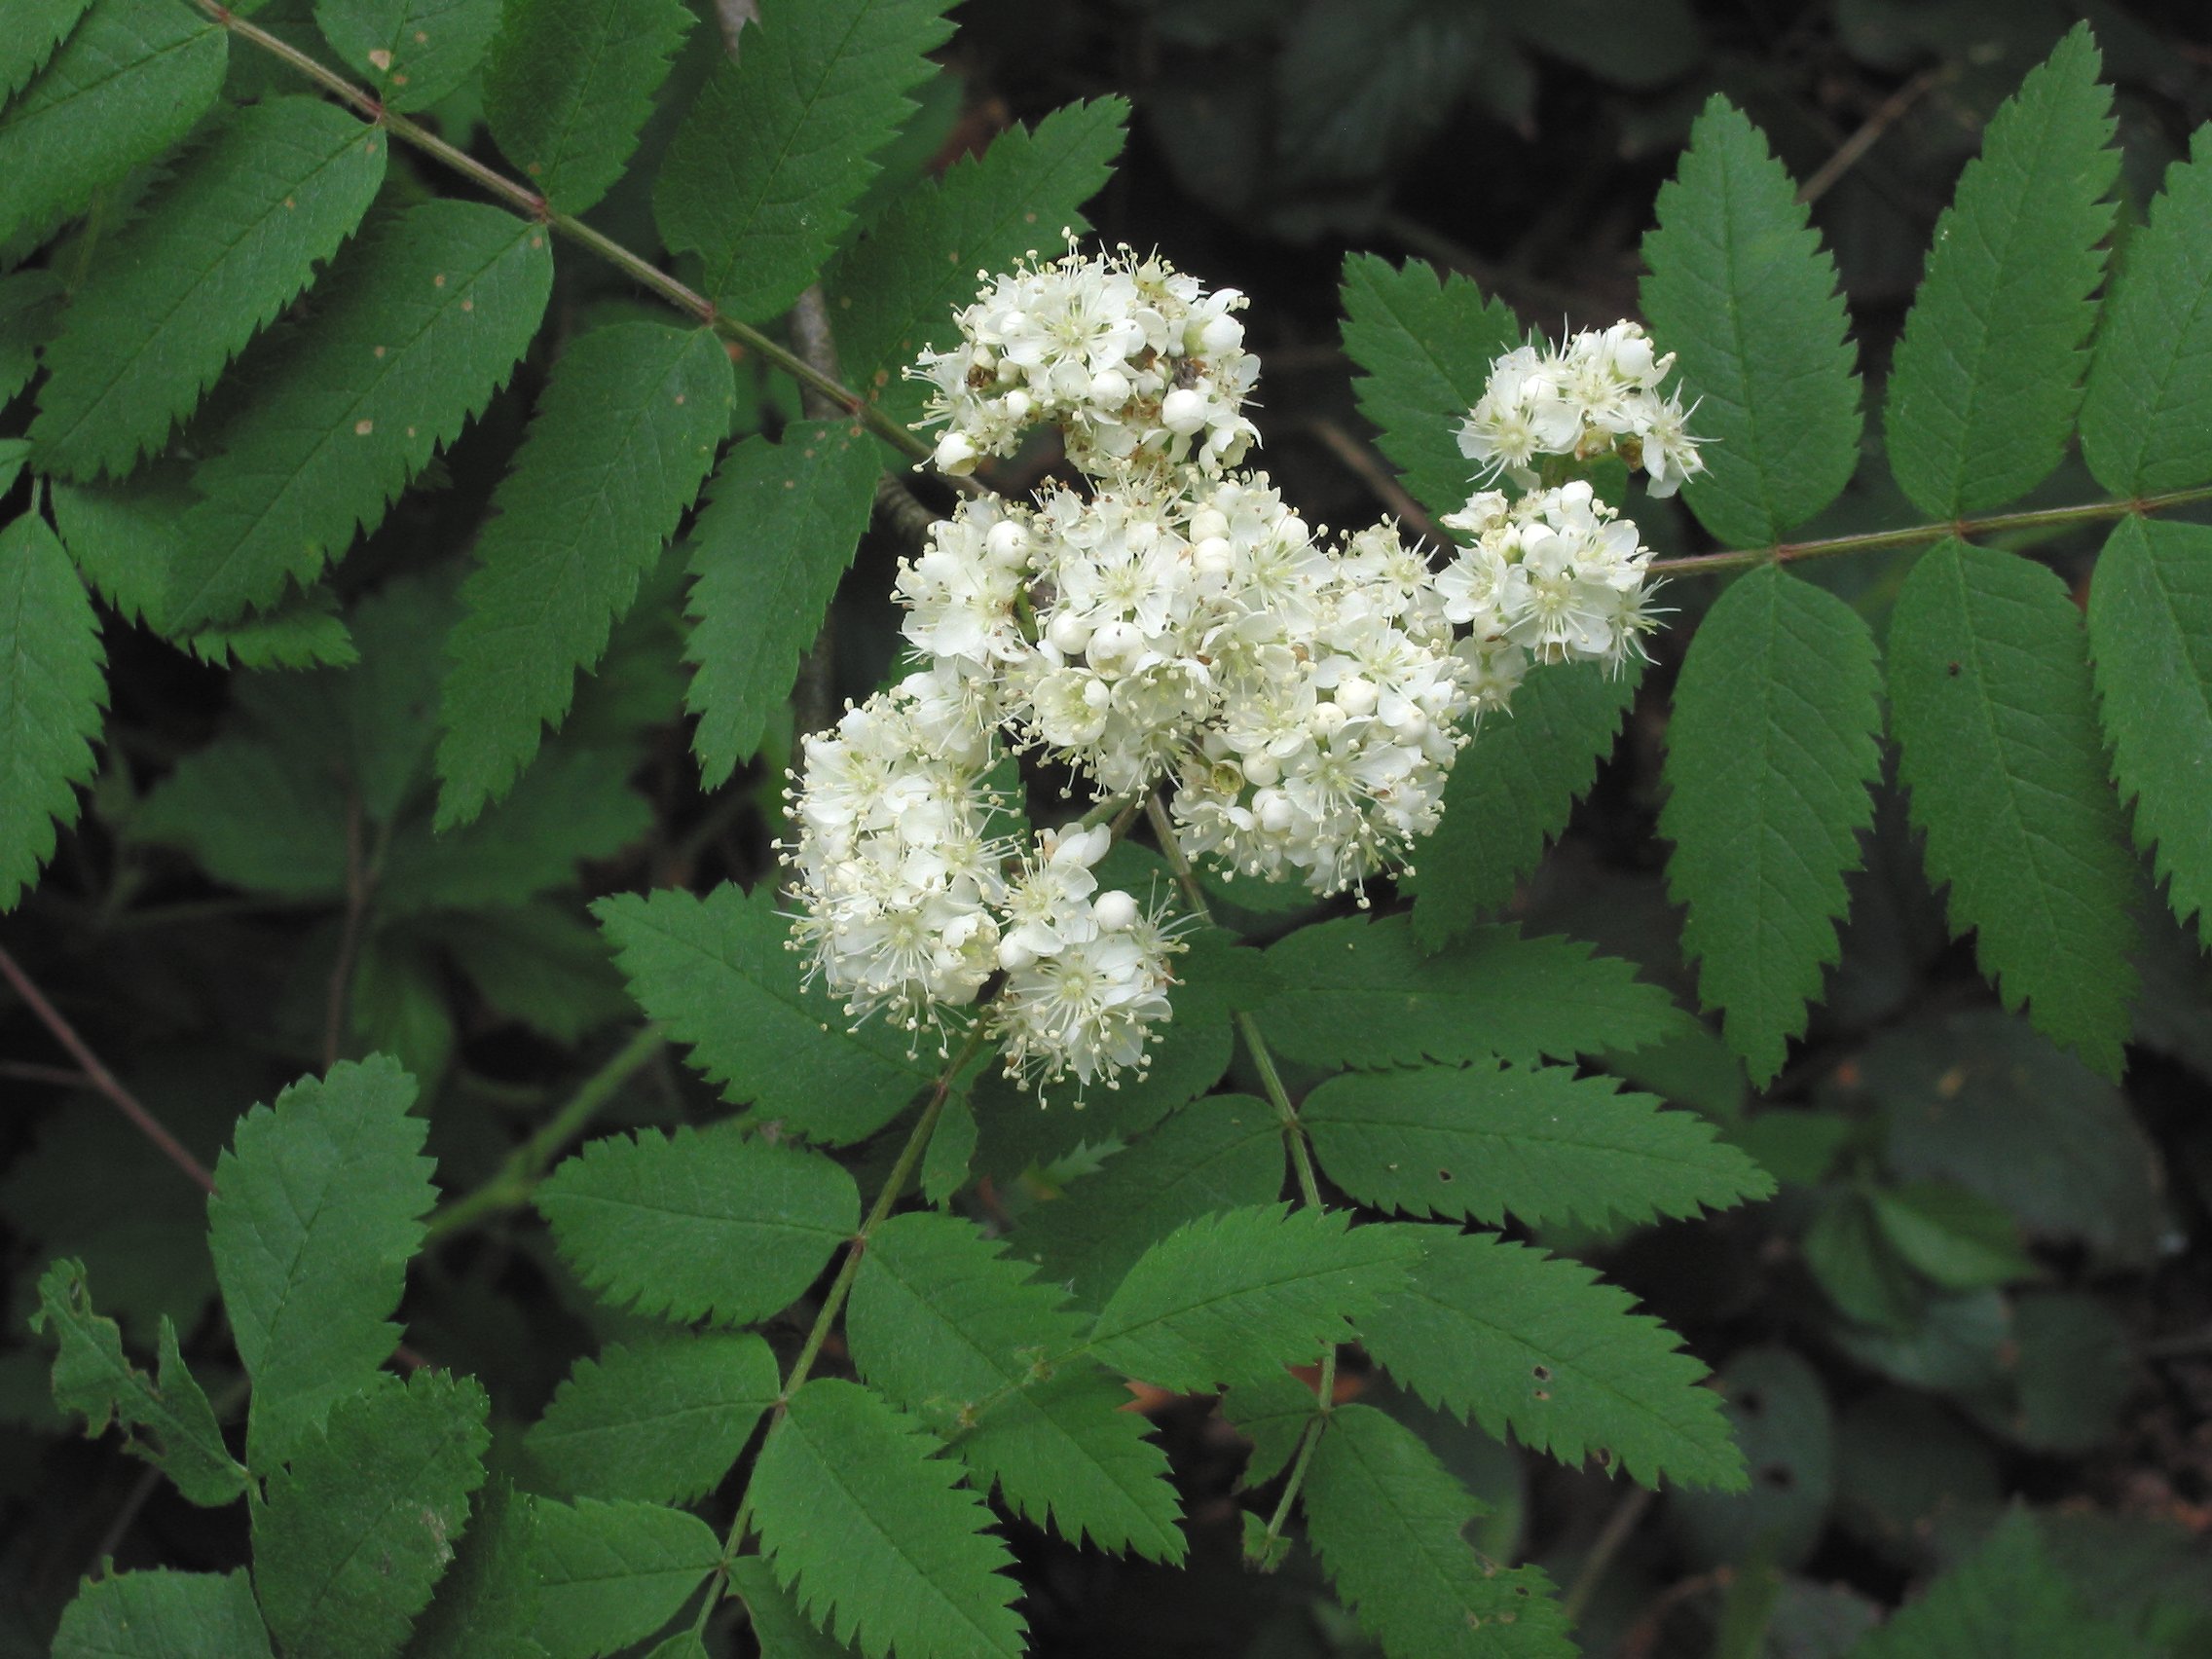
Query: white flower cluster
{"points": [[1176, 621], [911, 905], [1127, 356], [1596, 394]]}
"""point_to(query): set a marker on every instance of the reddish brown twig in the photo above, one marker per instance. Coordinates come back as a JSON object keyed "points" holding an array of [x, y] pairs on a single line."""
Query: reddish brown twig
{"points": [[100, 1078]]}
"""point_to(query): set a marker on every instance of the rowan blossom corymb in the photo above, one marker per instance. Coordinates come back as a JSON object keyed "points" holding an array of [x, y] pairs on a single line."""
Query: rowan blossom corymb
{"points": [[1172, 624]]}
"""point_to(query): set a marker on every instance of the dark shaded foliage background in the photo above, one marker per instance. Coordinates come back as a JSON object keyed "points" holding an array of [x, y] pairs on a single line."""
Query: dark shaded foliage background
{"points": [[1521, 142]]}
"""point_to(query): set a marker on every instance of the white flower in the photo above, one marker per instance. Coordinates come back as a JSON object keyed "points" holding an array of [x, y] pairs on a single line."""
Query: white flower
{"points": [[1135, 363]]}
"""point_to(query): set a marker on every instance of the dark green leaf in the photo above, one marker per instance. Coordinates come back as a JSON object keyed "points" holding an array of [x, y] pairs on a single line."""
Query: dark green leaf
{"points": [[573, 804], [164, 1615], [884, 1547], [660, 1423], [40, 26], [896, 290], [761, 175], [1359, 992], [2008, 1599], [779, 529], [1954, 1237], [30, 305], [610, 1575], [1386, 1518], [1536, 1344], [413, 50], [1782, 1419], [1743, 293], [1771, 754], [781, 1629], [1980, 1099], [716, 972], [2151, 633], [317, 1207], [1542, 1143], [1226, 1154], [1241, 1293], [130, 81], [357, 1528], [92, 1377], [568, 86], [1987, 380], [2149, 395], [417, 329], [1425, 345], [1510, 793], [487, 1605], [622, 440], [228, 244], [955, 1332], [1997, 737], [709, 1223], [53, 687]]}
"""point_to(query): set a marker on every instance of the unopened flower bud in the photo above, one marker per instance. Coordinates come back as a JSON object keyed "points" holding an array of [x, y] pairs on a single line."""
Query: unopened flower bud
{"points": [[1183, 411], [1116, 911]]}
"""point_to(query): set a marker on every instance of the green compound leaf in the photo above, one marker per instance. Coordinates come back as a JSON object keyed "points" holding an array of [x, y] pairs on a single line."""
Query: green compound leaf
{"points": [[225, 249], [30, 307], [714, 971], [1541, 1144], [781, 1629], [622, 440], [1987, 376], [125, 538], [413, 50], [660, 1423], [1771, 753], [573, 804], [1360, 993], [2151, 633], [418, 328], [760, 177], [702, 1224], [610, 1575], [896, 291], [569, 84], [356, 1529], [1997, 738], [92, 1377], [779, 529], [164, 1615], [870, 1526], [2150, 397], [53, 687], [317, 1207], [130, 79], [1511, 791], [2009, 1597], [542, 1579], [1425, 345], [942, 1322], [1386, 1519], [487, 1605], [1742, 291], [1226, 1156], [1242, 1293], [38, 27], [1536, 1344]]}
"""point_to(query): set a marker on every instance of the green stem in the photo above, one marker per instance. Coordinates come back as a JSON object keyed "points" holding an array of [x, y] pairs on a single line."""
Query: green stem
{"points": [[533, 206], [1995, 523], [840, 1288], [519, 1176], [1301, 1160]]}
